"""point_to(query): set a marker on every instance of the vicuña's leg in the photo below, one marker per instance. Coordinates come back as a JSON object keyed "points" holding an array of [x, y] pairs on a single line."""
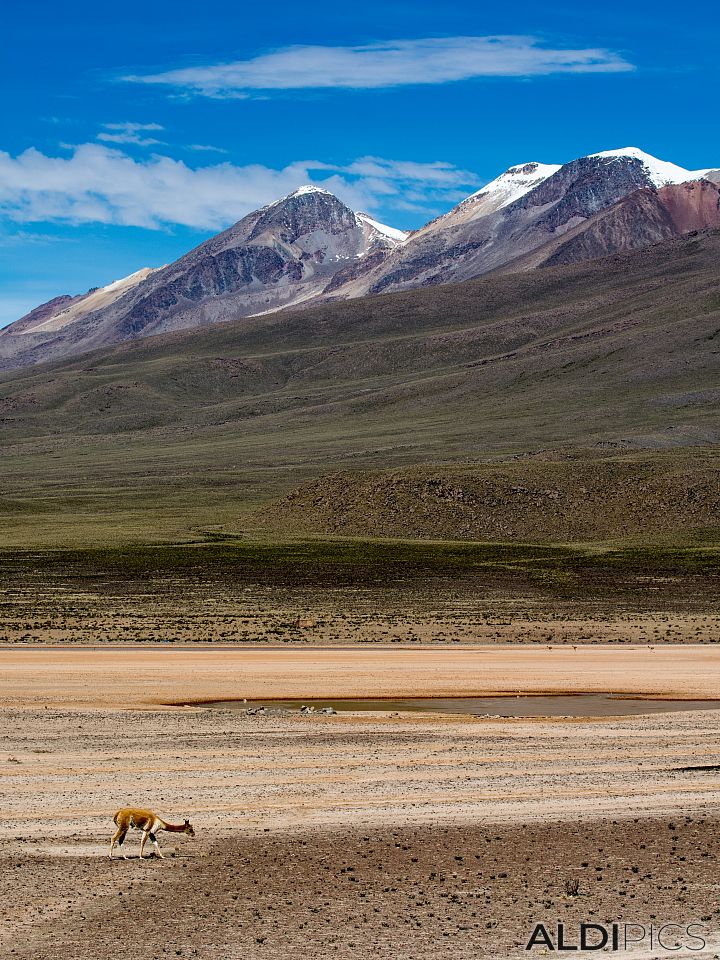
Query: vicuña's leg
{"points": [[157, 848], [118, 838], [142, 842]]}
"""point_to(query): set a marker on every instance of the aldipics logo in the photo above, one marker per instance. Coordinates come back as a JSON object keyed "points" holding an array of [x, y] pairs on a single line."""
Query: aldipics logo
{"points": [[618, 936]]}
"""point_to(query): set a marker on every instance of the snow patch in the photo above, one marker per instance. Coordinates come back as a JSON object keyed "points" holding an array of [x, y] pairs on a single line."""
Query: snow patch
{"points": [[304, 190], [130, 280], [309, 188], [659, 172], [516, 182], [399, 236]]}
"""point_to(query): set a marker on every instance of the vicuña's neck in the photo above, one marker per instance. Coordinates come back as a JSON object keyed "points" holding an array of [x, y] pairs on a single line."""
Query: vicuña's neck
{"points": [[174, 828]]}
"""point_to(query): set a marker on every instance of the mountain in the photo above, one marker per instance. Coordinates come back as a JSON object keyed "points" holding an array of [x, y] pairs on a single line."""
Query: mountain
{"points": [[526, 211], [642, 218], [281, 255], [197, 427], [310, 248], [499, 193]]}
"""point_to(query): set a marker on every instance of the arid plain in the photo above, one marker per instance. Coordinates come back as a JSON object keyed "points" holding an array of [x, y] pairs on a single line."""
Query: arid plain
{"points": [[508, 487], [391, 833]]}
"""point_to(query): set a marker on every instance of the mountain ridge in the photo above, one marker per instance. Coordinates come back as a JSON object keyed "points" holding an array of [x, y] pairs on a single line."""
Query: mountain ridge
{"points": [[308, 248], [199, 427]]}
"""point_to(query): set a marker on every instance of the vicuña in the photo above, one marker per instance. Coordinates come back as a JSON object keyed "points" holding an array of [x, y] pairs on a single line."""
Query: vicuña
{"points": [[148, 823]]}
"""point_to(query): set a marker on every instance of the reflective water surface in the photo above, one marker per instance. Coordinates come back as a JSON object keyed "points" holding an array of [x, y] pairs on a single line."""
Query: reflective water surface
{"points": [[575, 705]]}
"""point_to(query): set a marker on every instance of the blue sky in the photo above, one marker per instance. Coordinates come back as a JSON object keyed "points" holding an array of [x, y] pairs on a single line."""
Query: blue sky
{"points": [[131, 132]]}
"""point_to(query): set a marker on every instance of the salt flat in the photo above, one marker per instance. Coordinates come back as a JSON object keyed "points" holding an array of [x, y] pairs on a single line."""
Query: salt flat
{"points": [[168, 674]]}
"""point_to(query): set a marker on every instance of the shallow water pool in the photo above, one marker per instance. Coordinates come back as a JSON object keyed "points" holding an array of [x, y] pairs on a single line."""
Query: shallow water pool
{"points": [[573, 705]]}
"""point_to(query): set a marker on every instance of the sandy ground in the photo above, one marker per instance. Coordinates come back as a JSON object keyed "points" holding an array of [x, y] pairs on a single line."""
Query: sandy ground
{"points": [[352, 835], [447, 891], [142, 676]]}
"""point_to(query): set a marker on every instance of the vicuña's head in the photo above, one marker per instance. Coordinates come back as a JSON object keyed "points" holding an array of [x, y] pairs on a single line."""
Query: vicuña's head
{"points": [[189, 829]]}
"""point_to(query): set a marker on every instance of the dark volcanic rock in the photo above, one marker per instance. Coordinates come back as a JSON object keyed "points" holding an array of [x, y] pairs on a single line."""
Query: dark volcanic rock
{"points": [[211, 276], [304, 214], [643, 218], [583, 187]]}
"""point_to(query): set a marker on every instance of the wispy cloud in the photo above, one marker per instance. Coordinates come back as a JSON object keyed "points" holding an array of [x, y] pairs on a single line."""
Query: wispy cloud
{"points": [[438, 172], [389, 64], [101, 184], [23, 238], [130, 133], [205, 148]]}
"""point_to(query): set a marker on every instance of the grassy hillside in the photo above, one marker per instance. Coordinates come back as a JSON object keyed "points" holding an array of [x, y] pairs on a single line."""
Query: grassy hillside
{"points": [[583, 497], [160, 438]]}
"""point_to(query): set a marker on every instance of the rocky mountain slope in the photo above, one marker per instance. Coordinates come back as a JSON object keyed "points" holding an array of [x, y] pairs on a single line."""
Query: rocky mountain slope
{"points": [[310, 248], [281, 255], [64, 311], [640, 219], [646, 321], [498, 228]]}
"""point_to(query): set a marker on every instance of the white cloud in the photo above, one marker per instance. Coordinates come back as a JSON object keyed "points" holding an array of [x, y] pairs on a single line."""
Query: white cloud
{"points": [[438, 172], [388, 64], [104, 185], [205, 148], [129, 133], [23, 238]]}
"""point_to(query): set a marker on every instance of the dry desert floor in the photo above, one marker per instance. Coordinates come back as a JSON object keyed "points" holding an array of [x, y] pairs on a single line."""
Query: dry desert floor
{"points": [[384, 834]]}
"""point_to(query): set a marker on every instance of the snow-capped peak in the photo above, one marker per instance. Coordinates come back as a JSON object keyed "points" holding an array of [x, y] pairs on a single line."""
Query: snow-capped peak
{"points": [[309, 188], [303, 191], [392, 233], [516, 182], [659, 172]]}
